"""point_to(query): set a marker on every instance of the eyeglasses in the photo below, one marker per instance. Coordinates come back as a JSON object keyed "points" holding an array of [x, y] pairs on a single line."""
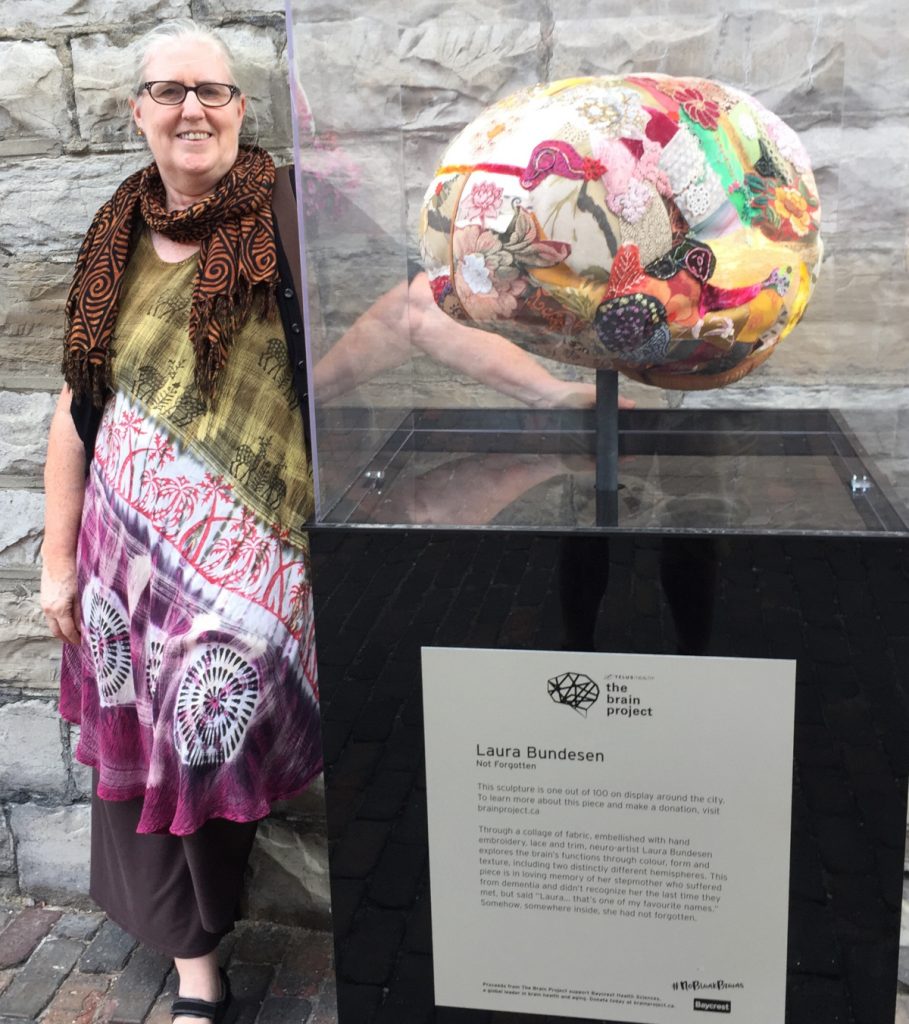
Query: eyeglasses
{"points": [[209, 94]]}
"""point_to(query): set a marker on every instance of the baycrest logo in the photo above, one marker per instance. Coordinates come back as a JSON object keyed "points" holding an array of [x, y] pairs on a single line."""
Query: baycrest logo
{"points": [[575, 690]]}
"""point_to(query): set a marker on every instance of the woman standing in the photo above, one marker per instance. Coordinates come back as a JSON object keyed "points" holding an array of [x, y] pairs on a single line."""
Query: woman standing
{"points": [[176, 570], [177, 489]]}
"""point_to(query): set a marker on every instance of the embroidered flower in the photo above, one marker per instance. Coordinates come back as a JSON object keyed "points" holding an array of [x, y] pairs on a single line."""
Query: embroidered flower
{"points": [[788, 211], [476, 274], [697, 200], [704, 112], [593, 169], [483, 201], [489, 276], [792, 208], [485, 274], [473, 240]]}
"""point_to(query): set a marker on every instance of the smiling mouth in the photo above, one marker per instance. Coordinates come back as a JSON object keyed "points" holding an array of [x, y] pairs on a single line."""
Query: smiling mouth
{"points": [[194, 136]]}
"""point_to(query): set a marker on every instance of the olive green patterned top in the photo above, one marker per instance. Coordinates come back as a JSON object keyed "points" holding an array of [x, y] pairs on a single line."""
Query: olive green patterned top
{"points": [[253, 435]]}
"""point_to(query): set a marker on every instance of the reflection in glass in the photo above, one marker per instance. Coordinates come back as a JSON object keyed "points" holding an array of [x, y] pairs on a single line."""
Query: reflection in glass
{"points": [[687, 571]]}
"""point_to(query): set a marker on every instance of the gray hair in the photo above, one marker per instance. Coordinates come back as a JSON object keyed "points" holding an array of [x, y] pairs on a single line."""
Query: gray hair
{"points": [[178, 30]]}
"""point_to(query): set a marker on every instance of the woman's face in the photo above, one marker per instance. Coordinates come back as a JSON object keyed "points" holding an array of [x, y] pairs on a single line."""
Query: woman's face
{"points": [[193, 146]]}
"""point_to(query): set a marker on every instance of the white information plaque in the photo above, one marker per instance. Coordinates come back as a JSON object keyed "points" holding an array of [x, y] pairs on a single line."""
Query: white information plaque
{"points": [[609, 833]]}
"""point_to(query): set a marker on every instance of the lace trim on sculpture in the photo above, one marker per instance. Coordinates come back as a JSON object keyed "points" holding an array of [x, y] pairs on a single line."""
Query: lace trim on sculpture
{"points": [[682, 160], [618, 110], [702, 198], [573, 134]]}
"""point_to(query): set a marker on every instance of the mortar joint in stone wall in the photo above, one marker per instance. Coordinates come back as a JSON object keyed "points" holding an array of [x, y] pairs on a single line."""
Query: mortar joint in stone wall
{"points": [[19, 695], [547, 41], [71, 792], [19, 797], [65, 53], [275, 22], [13, 846]]}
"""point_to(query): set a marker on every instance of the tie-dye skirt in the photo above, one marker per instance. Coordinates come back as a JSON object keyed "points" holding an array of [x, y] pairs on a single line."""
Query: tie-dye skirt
{"points": [[195, 682]]}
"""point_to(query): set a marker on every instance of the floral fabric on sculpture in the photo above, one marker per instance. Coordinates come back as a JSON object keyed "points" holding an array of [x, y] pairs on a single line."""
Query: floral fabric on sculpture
{"points": [[665, 227]]}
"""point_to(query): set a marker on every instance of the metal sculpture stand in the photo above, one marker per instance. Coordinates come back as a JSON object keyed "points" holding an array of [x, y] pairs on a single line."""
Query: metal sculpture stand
{"points": [[607, 448]]}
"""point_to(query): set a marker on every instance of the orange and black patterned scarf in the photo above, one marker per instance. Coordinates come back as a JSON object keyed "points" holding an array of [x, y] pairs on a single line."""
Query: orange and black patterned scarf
{"points": [[237, 253]]}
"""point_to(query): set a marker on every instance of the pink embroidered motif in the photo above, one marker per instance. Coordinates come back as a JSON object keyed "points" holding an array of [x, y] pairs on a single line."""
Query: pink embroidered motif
{"points": [[198, 514], [554, 157], [484, 200]]}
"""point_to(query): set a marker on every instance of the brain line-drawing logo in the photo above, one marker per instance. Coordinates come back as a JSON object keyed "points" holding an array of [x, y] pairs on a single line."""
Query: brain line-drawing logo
{"points": [[575, 690]]}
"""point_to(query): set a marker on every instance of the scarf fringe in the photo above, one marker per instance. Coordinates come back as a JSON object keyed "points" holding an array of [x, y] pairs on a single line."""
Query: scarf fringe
{"points": [[85, 378]]}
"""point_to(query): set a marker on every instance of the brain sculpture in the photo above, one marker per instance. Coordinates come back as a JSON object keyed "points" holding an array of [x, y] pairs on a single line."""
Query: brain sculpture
{"points": [[665, 227]]}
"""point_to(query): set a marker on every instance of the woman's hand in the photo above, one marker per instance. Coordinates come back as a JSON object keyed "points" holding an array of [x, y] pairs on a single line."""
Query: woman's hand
{"points": [[60, 600]]}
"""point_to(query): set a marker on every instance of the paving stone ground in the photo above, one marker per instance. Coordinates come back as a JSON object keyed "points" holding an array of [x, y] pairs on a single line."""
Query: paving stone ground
{"points": [[60, 966]]}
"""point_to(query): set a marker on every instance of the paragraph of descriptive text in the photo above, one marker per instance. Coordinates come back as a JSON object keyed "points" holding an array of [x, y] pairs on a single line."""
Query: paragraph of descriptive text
{"points": [[621, 874]]}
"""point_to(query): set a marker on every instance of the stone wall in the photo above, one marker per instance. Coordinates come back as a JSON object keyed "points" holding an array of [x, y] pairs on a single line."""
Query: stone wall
{"points": [[64, 145], [392, 83]]}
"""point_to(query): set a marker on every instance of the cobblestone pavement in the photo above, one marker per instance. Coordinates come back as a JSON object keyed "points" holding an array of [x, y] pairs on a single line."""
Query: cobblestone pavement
{"points": [[63, 966], [60, 966]]}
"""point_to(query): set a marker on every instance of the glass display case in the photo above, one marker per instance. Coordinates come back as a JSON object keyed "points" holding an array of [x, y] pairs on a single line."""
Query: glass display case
{"points": [[372, 131], [460, 498]]}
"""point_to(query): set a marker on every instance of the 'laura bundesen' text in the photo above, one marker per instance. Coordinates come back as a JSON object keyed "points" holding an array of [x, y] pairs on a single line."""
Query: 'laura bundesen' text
{"points": [[532, 753]]}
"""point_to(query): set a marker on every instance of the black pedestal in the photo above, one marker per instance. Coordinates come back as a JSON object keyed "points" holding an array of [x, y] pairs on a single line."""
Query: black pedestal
{"points": [[838, 605], [840, 608]]}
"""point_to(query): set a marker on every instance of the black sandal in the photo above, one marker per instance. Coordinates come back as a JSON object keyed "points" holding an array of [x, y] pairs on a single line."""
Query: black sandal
{"points": [[224, 1011]]}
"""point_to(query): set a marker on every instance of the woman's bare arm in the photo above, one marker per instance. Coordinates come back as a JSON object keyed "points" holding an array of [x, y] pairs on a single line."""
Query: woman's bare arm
{"points": [[407, 314], [64, 489], [489, 358]]}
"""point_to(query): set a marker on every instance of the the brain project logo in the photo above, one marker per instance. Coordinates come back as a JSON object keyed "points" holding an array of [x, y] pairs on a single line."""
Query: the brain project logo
{"points": [[575, 690]]}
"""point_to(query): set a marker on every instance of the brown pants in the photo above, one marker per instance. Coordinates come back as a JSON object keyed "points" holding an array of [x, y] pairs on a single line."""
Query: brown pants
{"points": [[176, 894]]}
